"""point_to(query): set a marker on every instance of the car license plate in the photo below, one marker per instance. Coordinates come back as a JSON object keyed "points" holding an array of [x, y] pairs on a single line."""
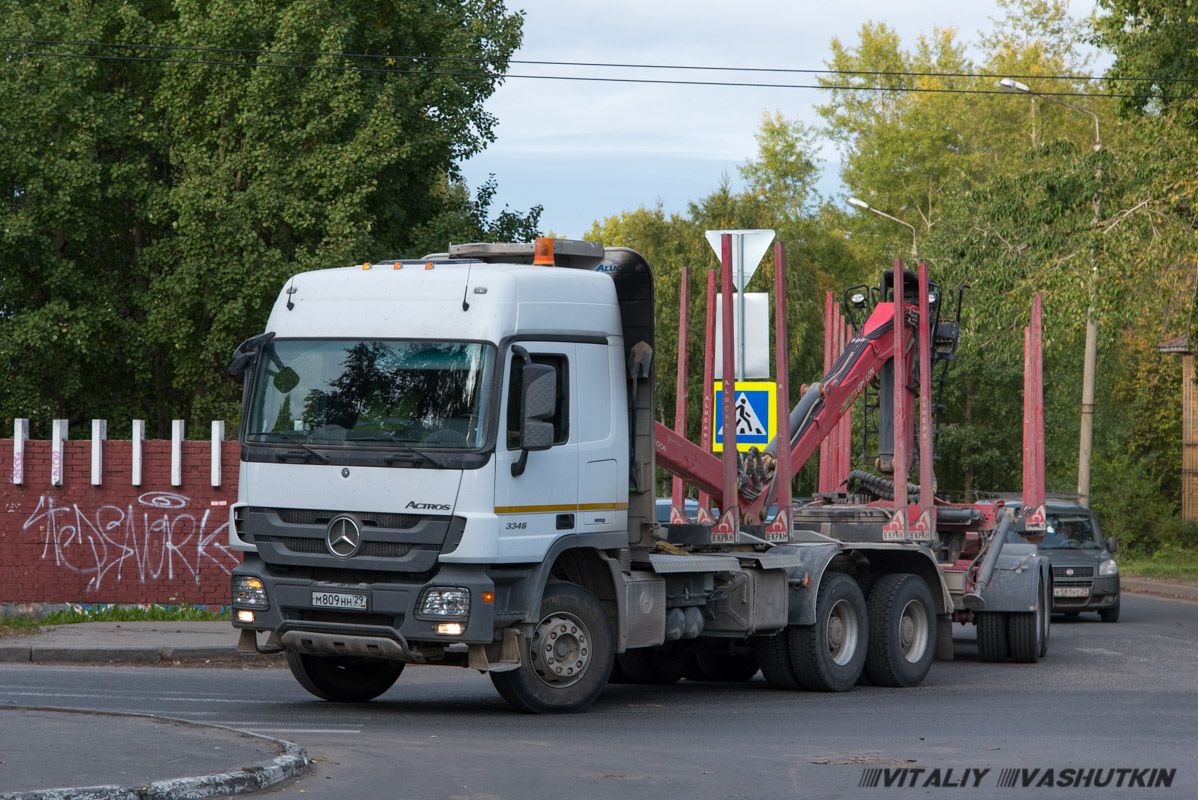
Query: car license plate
{"points": [[1071, 591], [339, 600]]}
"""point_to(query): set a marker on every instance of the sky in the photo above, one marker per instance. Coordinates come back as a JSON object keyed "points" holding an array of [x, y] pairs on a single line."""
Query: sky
{"points": [[588, 150]]}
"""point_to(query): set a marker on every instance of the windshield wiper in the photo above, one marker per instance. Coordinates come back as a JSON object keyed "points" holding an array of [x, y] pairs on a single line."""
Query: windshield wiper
{"points": [[290, 437], [308, 451], [412, 454]]}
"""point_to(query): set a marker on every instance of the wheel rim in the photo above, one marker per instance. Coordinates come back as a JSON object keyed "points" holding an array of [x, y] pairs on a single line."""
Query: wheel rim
{"points": [[842, 632], [560, 651], [913, 631]]}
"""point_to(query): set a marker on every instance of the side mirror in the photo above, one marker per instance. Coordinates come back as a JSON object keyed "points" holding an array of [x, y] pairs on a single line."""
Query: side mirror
{"points": [[1111, 543], [538, 404], [245, 353]]}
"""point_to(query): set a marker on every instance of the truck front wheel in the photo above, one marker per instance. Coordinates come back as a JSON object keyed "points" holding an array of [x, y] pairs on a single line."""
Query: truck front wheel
{"points": [[566, 661], [343, 679], [830, 655]]}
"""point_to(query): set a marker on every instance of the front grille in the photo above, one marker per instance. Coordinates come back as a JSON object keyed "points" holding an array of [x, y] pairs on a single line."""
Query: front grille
{"points": [[307, 516], [1058, 573], [297, 545], [385, 549], [300, 544]]}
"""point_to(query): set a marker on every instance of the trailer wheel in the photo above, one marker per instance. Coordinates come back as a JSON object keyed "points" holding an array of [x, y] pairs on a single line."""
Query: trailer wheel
{"points": [[773, 656], [726, 667], [1046, 617], [1026, 630], [659, 666], [566, 661], [992, 636], [902, 631], [343, 679], [830, 655]]}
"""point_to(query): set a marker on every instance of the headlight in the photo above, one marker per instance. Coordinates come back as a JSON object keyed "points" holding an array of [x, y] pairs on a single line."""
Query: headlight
{"points": [[1108, 567], [445, 601], [249, 591]]}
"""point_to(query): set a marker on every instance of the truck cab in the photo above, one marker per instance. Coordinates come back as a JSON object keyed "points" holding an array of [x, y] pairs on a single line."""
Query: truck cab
{"points": [[421, 444]]}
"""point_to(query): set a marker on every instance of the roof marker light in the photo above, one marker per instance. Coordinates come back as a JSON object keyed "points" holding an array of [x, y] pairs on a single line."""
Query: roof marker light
{"points": [[542, 253], [366, 266], [397, 265], [428, 266]]}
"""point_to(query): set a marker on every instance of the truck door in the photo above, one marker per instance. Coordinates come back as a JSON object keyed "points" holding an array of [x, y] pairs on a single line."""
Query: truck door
{"points": [[541, 504]]}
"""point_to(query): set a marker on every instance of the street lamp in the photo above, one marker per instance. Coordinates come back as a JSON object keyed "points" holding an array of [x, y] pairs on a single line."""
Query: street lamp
{"points": [[853, 201], [1089, 366], [1014, 86]]}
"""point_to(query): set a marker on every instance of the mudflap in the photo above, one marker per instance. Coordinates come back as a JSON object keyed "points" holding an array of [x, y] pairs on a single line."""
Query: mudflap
{"points": [[1016, 578], [803, 580]]}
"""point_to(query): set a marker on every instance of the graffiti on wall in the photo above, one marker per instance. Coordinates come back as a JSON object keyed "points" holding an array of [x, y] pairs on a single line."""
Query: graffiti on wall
{"points": [[158, 536]]}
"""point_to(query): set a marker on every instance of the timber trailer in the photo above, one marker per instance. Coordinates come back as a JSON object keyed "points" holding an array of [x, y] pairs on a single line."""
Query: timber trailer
{"points": [[452, 461]]}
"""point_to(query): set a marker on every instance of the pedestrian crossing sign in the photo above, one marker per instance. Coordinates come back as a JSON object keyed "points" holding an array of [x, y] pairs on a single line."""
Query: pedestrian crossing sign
{"points": [[756, 415]]}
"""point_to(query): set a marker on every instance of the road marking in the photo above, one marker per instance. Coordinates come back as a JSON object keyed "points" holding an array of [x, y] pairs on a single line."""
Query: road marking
{"points": [[118, 696], [289, 730]]}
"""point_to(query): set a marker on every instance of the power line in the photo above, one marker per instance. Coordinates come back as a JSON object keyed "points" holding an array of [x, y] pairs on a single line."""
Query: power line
{"points": [[593, 64], [579, 78]]}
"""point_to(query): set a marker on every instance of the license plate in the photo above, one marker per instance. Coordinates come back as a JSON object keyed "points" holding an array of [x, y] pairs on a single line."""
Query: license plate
{"points": [[1070, 591], [339, 600]]}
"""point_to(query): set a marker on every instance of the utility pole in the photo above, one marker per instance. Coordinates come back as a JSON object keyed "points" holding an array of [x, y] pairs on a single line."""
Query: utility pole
{"points": [[1090, 363]]}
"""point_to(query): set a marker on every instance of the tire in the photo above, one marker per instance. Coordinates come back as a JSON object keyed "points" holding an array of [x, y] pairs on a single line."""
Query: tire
{"points": [[343, 679], [657, 666], [726, 667], [1110, 614], [902, 631], [1045, 616], [1025, 630], [773, 656], [830, 655], [992, 636], [566, 660]]}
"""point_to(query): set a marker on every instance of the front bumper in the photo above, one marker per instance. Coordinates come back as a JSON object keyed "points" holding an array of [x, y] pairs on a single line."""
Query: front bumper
{"points": [[1103, 593], [389, 627]]}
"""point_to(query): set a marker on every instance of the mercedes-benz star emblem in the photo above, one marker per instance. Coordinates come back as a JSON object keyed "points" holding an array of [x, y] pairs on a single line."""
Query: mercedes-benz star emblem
{"points": [[343, 537]]}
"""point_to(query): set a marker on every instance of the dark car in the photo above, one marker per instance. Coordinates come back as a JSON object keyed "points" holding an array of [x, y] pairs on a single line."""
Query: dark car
{"points": [[1084, 575]]}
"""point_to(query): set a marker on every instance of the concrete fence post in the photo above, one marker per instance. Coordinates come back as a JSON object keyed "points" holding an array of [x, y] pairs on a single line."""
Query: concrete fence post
{"points": [[176, 452], [139, 435], [20, 432], [218, 437], [99, 435], [56, 465]]}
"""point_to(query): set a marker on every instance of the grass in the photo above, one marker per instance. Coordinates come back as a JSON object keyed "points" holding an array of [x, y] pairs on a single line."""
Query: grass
{"points": [[16, 625], [1168, 563]]}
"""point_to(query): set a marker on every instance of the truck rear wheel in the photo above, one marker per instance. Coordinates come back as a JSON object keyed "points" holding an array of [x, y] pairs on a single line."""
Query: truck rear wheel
{"points": [[1026, 630], [343, 679], [992, 636], [830, 655], [902, 631], [773, 656], [566, 661]]}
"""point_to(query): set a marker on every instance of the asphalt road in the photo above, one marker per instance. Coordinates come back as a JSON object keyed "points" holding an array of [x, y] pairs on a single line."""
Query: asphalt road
{"points": [[1110, 696]]}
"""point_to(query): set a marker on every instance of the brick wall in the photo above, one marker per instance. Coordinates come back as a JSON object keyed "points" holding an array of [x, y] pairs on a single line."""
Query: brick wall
{"points": [[116, 542]]}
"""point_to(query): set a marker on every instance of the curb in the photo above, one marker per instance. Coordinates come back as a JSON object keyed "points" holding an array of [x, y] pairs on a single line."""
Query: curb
{"points": [[25, 654], [255, 777]]}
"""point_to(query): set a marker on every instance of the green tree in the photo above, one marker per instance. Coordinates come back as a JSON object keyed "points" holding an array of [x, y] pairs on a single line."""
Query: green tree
{"points": [[161, 196], [1155, 43]]}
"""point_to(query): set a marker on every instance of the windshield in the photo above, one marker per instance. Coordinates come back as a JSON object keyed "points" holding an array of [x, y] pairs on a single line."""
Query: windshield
{"points": [[1070, 531], [371, 393]]}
